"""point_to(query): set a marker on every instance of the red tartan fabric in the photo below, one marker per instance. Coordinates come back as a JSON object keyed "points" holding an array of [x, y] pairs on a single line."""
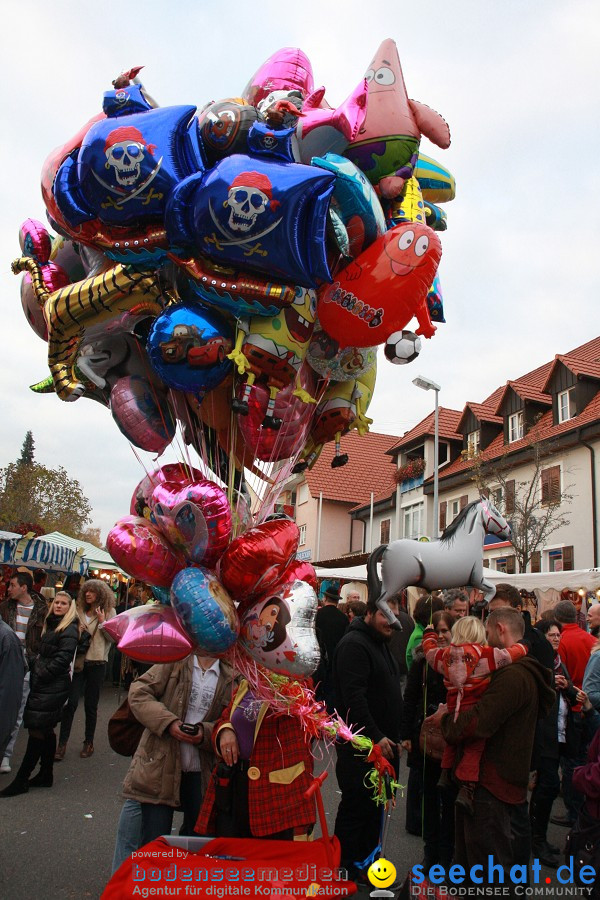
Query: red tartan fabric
{"points": [[273, 807]]}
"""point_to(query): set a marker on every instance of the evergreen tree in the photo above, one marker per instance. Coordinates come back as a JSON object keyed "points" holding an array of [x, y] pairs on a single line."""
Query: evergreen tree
{"points": [[27, 451]]}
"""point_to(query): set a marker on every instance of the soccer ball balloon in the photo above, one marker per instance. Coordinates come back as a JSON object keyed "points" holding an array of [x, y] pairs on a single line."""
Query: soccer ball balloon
{"points": [[402, 347]]}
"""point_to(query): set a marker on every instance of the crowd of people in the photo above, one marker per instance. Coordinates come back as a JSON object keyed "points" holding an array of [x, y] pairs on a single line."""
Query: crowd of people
{"points": [[494, 715]]}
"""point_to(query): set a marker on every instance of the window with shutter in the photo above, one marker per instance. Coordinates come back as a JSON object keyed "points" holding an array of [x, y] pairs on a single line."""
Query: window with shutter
{"points": [[536, 561], [551, 485], [509, 495], [443, 509], [464, 500], [567, 555], [384, 531], [511, 565]]}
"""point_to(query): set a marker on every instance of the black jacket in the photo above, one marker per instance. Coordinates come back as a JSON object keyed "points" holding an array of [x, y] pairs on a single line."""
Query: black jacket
{"points": [[400, 639], [423, 694], [539, 647], [546, 735], [12, 673], [367, 683], [51, 675]]}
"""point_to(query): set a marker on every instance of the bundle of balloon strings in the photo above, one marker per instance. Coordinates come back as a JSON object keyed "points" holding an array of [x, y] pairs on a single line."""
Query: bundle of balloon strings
{"points": [[290, 697]]}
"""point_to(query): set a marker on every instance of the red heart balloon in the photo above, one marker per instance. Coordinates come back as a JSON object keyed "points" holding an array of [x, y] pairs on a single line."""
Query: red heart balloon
{"points": [[255, 561], [300, 570]]}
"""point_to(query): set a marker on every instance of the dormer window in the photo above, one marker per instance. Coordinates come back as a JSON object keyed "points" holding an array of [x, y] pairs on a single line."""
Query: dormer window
{"points": [[474, 442], [566, 405], [515, 427]]}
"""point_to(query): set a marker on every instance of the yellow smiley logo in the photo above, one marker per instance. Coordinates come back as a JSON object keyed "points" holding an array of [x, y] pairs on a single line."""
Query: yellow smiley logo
{"points": [[381, 873]]}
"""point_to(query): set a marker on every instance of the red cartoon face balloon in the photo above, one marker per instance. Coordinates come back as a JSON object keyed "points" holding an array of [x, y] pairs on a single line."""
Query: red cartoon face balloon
{"points": [[195, 519], [140, 549], [278, 631], [383, 289], [179, 473], [255, 561], [150, 634]]}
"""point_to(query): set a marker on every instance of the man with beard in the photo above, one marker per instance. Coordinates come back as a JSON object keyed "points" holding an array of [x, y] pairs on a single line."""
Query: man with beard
{"points": [[367, 690]]}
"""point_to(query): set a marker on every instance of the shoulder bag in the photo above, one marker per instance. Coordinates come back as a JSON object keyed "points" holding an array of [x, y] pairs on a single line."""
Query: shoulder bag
{"points": [[124, 730]]}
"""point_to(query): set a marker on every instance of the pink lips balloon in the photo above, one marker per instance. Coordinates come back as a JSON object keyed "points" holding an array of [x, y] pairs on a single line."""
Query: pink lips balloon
{"points": [[150, 634], [140, 549], [195, 518], [278, 630]]}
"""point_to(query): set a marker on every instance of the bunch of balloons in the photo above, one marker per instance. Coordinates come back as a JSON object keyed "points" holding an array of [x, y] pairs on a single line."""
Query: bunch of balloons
{"points": [[211, 589], [234, 270]]}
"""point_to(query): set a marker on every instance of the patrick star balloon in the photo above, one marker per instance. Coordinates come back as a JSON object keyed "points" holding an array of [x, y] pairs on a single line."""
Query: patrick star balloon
{"points": [[387, 145]]}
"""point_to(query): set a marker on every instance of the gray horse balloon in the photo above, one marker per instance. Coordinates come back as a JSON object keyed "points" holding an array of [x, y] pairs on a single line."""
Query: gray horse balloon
{"points": [[456, 560]]}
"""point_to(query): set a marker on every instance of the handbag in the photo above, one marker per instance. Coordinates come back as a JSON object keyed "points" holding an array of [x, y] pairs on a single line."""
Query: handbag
{"points": [[583, 843], [431, 740], [83, 645], [124, 730]]}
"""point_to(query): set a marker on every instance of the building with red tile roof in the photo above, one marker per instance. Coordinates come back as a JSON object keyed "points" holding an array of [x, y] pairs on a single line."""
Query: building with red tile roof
{"points": [[555, 406]]}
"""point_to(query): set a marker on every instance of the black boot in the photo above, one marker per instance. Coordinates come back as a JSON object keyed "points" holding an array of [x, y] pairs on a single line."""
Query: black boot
{"points": [[44, 777], [20, 785]]}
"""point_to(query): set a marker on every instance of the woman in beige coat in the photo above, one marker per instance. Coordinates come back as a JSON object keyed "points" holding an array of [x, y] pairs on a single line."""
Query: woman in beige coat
{"points": [[172, 764], [95, 605]]}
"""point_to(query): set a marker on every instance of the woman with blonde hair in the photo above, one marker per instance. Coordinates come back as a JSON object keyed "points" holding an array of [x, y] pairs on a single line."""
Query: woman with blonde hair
{"points": [[466, 666], [95, 605], [50, 686]]}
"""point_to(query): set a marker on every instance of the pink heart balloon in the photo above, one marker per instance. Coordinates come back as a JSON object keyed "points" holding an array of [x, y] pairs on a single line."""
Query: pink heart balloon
{"points": [[180, 473], [278, 631], [196, 519], [140, 549], [150, 634]]}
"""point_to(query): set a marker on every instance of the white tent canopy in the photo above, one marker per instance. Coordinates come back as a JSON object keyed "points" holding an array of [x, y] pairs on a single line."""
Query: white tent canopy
{"points": [[586, 579], [94, 556]]}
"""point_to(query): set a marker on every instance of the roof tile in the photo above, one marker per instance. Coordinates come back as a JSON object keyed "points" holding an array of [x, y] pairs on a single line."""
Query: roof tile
{"points": [[367, 469]]}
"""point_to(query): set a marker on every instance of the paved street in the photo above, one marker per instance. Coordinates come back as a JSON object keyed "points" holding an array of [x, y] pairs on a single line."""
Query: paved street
{"points": [[59, 842]]}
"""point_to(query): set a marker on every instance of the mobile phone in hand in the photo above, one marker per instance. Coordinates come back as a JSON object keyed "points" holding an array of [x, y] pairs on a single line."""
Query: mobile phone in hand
{"points": [[189, 728]]}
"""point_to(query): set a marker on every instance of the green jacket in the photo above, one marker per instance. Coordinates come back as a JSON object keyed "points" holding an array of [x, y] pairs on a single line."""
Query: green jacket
{"points": [[415, 638]]}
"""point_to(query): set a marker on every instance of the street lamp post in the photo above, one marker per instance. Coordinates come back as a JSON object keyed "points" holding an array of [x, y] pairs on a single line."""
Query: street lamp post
{"points": [[428, 385]]}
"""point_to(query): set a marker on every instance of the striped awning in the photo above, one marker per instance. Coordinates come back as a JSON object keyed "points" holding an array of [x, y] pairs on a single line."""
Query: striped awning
{"points": [[38, 553]]}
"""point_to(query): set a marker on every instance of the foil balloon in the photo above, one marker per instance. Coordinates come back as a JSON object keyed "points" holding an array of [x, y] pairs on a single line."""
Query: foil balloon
{"points": [[300, 570], [244, 202], [329, 360], [205, 610], [180, 473], [255, 561], [383, 288], [278, 631], [142, 414], [294, 412], [188, 347], [195, 519], [163, 595], [288, 69], [139, 548], [224, 128], [386, 147], [149, 634]]}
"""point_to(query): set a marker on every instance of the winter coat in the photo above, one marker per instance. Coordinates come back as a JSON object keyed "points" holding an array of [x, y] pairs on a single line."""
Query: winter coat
{"points": [[546, 737], [591, 679], [367, 683], [51, 675], [506, 717], [33, 635], [279, 773], [423, 694], [586, 778], [12, 673], [157, 699], [101, 642]]}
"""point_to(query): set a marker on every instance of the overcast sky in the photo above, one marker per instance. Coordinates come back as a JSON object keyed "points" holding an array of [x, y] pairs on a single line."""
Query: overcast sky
{"points": [[518, 83]]}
